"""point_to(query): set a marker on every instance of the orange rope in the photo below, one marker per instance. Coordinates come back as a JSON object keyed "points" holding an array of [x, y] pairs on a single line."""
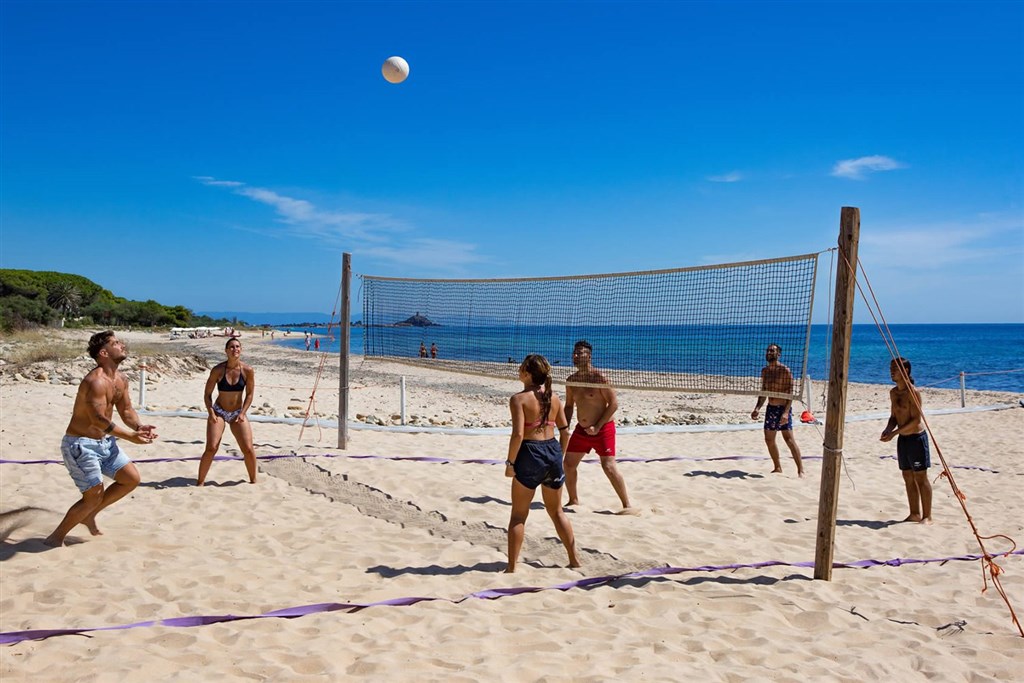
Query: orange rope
{"points": [[990, 569], [311, 407]]}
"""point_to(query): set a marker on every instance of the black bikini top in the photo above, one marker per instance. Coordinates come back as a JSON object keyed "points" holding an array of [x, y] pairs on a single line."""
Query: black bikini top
{"points": [[222, 383]]}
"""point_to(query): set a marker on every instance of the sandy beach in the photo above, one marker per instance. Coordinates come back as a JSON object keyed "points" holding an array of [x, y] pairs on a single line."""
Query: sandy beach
{"points": [[411, 525]]}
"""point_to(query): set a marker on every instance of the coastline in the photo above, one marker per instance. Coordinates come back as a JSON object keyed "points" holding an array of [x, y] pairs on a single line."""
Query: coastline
{"points": [[989, 354], [417, 515]]}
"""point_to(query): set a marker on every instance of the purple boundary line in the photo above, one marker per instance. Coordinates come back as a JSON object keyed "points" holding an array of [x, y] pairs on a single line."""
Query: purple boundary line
{"points": [[13, 637]]}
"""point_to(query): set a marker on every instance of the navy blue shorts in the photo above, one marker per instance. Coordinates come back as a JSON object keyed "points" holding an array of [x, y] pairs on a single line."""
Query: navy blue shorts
{"points": [[773, 418], [912, 452], [540, 462]]}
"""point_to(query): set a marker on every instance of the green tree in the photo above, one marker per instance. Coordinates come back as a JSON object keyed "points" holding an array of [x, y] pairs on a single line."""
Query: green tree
{"points": [[18, 313], [64, 297]]}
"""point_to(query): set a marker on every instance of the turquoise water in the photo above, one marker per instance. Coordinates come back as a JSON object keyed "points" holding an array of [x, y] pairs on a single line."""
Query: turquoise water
{"points": [[938, 352]]}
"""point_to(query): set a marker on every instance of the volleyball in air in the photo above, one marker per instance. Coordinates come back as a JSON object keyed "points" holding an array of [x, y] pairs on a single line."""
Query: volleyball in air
{"points": [[395, 69]]}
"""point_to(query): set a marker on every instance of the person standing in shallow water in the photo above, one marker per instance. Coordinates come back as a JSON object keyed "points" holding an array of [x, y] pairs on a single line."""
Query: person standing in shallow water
{"points": [[232, 379], [778, 416], [90, 447], [535, 458], [912, 450]]}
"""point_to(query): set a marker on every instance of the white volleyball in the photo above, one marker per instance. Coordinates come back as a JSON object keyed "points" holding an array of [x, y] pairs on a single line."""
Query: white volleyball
{"points": [[395, 69]]}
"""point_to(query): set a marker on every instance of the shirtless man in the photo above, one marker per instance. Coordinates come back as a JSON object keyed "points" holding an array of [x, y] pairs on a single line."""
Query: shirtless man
{"points": [[594, 427], [90, 447], [912, 445], [778, 416]]}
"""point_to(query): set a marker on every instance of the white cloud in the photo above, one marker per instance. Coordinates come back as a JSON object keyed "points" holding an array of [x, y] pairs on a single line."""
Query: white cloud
{"points": [[730, 177], [942, 244], [213, 182], [304, 219], [857, 169], [374, 235], [442, 256]]}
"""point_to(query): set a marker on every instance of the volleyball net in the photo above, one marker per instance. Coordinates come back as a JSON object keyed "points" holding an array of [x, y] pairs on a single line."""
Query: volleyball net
{"points": [[701, 329]]}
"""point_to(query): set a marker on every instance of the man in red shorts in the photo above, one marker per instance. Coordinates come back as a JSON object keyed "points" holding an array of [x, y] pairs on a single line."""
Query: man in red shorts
{"points": [[594, 427]]}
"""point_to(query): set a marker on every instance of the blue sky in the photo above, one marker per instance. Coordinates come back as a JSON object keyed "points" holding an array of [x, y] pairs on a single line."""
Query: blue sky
{"points": [[222, 155]]}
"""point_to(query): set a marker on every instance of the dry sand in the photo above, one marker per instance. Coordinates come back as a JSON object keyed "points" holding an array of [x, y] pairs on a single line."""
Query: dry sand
{"points": [[341, 529]]}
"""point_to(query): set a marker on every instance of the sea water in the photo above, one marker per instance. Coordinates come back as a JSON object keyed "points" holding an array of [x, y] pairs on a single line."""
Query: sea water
{"points": [[991, 355]]}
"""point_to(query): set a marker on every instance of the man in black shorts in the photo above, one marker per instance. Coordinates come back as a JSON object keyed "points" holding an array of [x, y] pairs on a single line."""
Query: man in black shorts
{"points": [[912, 451]]}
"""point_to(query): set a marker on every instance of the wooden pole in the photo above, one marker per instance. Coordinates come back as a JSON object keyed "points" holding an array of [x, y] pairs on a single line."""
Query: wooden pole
{"points": [[344, 335], [835, 416]]}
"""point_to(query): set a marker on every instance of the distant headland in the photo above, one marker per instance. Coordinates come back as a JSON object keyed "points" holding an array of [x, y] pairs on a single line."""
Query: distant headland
{"points": [[417, 321]]}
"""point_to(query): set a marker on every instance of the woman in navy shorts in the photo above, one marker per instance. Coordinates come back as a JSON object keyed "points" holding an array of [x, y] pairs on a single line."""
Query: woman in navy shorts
{"points": [[535, 458]]}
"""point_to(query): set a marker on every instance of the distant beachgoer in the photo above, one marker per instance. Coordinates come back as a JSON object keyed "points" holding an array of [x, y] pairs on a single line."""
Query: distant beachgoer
{"points": [[912, 450], [90, 445], [316, 344], [595, 429], [231, 378], [535, 458], [423, 350], [433, 350], [307, 341], [778, 416]]}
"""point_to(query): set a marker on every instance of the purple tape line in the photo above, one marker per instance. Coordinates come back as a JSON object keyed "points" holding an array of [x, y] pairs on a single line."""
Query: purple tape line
{"points": [[12, 637]]}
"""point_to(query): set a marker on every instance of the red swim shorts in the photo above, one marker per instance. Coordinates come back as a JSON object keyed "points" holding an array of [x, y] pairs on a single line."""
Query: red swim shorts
{"points": [[603, 442]]}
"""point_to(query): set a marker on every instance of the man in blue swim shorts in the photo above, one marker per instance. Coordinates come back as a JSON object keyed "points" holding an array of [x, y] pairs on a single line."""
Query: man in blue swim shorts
{"points": [[778, 416], [90, 446], [906, 421]]}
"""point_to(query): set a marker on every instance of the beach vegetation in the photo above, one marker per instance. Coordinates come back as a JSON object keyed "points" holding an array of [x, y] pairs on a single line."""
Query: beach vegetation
{"points": [[30, 298], [25, 347]]}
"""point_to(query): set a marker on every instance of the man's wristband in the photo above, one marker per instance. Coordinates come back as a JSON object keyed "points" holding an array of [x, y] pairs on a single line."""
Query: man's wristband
{"points": [[509, 463]]}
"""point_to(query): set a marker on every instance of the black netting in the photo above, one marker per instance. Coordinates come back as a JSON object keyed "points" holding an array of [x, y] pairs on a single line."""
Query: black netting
{"points": [[696, 329]]}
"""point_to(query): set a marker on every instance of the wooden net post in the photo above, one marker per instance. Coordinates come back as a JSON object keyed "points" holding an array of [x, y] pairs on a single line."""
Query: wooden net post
{"points": [[344, 334], [835, 417]]}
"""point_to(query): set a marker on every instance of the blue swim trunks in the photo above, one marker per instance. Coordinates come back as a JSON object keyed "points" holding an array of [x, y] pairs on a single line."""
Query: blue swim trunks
{"points": [[88, 460], [540, 462], [912, 452], [772, 418]]}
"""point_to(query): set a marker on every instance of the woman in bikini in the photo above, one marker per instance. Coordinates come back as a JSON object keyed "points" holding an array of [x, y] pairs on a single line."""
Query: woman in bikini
{"points": [[232, 379], [535, 458]]}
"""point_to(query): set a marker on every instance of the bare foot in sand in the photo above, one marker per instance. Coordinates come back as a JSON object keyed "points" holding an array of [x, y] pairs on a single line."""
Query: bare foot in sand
{"points": [[777, 470], [913, 517], [53, 542], [629, 511], [574, 560], [926, 520], [570, 503], [90, 524]]}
